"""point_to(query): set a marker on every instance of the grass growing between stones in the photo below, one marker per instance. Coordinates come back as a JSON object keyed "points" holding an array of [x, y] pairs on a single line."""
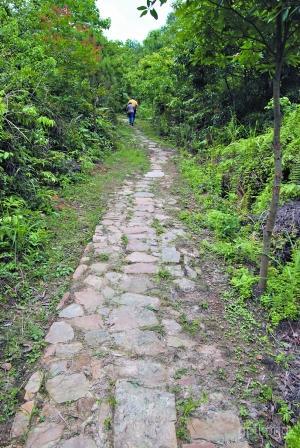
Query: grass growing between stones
{"points": [[28, 307]]}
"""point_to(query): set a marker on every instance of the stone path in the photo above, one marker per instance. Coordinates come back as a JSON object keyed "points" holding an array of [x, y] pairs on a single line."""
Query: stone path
{"points": [[118, 357]]}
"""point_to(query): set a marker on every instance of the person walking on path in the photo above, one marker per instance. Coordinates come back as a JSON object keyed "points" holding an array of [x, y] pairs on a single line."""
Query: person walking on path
{"points": [[132, 107]]}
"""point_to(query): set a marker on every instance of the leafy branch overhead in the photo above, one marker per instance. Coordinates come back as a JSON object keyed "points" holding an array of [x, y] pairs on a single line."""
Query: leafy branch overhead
{"points": [[150, 8]]}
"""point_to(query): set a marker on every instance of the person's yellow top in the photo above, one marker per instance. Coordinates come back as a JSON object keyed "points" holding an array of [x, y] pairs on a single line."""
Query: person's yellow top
{"points": [[133, 102]]}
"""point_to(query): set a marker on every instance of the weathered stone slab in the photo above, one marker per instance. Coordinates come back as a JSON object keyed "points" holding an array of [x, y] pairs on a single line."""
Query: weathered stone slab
{"points": [[154, 174], [114, 277], [144, 194], [137, 246], [176, 271], [82, 268], [138, 300], [135, 283], [20, 424], [45, 435], [66, 350], [144, 417], [94, 281], [128, 318], [220, 427], [96, 338], [144, 201], [63, 388], [177, 342], [71, 311], [64, 301], [171, 326], [144, 208], [146, 373], [140, 257], [60, 332], [170, 255], [99, 268], [139, 342], [79, 442], [136, 230], [139, 236], [141, 268], [202, 444], [89, 298], [92, 322], [58, 367], [33, 385], [185, 285]]}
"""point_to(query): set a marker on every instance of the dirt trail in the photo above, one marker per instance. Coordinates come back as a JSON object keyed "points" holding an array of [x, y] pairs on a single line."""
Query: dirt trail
{"points": [[129, 358]]}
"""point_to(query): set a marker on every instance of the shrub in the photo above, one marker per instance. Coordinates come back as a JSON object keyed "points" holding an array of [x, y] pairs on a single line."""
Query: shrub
{"points": [[225, 225], [283, 295]]}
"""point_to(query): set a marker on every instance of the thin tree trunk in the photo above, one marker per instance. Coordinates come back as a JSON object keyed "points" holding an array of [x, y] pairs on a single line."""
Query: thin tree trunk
{"points": [[269, 227]]}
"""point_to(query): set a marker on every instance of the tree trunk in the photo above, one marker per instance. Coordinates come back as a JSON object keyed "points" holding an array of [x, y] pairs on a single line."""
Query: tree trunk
{"points": [[269, 227]]}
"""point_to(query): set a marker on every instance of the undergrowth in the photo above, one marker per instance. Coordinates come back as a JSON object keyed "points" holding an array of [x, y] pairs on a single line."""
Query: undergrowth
{"points": [[35, 280]]}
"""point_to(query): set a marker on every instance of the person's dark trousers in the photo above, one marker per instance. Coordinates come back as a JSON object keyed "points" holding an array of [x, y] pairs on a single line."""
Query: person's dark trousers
{"points": [[131, 118]]}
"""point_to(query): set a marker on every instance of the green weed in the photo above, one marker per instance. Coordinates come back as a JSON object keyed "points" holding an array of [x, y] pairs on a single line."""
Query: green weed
{"points": [[190, 326], [159, 228]]}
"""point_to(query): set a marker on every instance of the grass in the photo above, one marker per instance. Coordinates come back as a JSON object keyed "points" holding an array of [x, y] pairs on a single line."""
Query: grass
{"points": [[185, 408], [163, 274], [39, 287], [158, 227], [157, 328], [190, 326]]}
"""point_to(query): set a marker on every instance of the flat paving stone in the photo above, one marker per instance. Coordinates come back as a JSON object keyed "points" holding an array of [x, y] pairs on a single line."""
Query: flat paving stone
{"points": [[92, 322], [60, 332], [63, 388], [67, 350], [71, 311], [177, 342], [176, 271], [154, 174], [140, 257], [144, 194], [20, 424], [202, 444], [82, 268], [95, 338], [94, 281], [220, 427], [45, 435], [144, 417], [144, 372], [170, 255], [185, 285], [79, 442], [135, 283], [113, 277], [58, 367], [141, 268], [129, 318], [139, 300], [171, 326], [136, 229], [99, 268], [89, 298], [137, 246], [139, 342], [33, 385], [144, 201]]}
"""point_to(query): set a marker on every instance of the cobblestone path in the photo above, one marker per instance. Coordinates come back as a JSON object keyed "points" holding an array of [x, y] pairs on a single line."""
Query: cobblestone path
{"points": [[117, 354]]}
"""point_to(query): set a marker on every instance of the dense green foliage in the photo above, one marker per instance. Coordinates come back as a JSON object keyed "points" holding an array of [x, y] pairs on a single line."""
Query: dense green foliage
{"points": [[53, 122], [209, 91]]}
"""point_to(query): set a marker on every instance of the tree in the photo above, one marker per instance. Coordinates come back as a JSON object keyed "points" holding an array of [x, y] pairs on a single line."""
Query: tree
{"points": [[264, 34]]}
